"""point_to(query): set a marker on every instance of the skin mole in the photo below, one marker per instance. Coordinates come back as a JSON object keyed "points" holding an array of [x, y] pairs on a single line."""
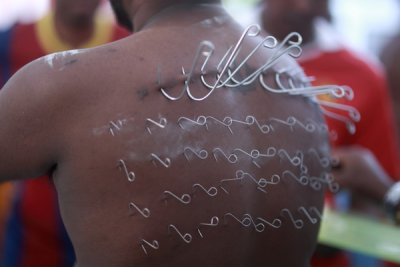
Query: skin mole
{"points": [[142, 93]]}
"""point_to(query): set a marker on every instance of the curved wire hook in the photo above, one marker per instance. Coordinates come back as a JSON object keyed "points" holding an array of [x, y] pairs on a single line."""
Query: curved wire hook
{"points": [[189, 77], [231, 57]]}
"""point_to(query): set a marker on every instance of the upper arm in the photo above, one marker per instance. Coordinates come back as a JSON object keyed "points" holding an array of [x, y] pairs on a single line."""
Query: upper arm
{"points": [[27, 138]]}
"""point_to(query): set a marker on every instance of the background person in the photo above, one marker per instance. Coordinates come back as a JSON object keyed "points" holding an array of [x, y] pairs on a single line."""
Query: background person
{"points": [[390, 55]]}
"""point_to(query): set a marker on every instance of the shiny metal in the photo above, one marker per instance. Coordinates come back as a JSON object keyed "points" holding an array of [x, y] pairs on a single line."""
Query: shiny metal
{"points": [[161, 124], [298, 224], [201, 154], [153, 245], [144, 212], [213, 223], [187, 238], [166, 163], [184, 199], [212, 191], [311, 219], [129, 174]]}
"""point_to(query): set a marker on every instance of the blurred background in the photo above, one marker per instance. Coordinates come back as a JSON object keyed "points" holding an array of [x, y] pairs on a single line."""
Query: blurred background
{"points": [[364, 24]]}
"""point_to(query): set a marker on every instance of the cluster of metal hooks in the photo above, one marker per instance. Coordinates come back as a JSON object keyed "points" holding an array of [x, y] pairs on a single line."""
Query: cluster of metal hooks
{"points": [[314, 182], [225, 72], [296, 160], [246, 221], [350, 120], [265, 128], [326, 178], [290, 81], [225, 75], [261, 183], [286, 79], [227, 122], [259, 224], [323, 161], [309, 126], [233, 157]]}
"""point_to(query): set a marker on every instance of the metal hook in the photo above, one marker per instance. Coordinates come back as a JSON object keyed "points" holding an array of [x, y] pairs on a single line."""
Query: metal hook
{"points": [[153, 245], [163, 122], [230, 59], [166, 163], [276, 223], [187, 238], [304, 180], [201, 154], [298, 224], [312, 220], [184, 199], [214, 222], [195, 62], [145, 212], [129, 174], [212, 191]]}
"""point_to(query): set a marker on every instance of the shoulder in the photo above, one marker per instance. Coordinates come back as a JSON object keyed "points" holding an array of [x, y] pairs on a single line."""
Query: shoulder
{"points": [[45, 79], [366, 61], [347, 60]]}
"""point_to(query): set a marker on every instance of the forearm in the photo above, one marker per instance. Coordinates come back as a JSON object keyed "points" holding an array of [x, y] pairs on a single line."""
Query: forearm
{"points": [[360, 171]]}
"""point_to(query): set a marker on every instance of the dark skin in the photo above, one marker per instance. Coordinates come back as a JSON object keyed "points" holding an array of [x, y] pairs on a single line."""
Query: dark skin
{"points": [[281, 17], [59, 122], [356, 161], [74, 20]]}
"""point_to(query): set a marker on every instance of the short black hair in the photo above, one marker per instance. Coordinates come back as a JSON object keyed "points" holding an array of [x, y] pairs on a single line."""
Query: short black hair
{"points": [[121, 14]]}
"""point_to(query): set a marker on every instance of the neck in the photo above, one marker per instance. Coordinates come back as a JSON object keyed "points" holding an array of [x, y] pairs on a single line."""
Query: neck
{"points": [[74, 32], [149, 14]]}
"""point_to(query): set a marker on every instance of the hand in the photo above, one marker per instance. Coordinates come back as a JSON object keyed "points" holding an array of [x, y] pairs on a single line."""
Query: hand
{"points": [[359, 170]]}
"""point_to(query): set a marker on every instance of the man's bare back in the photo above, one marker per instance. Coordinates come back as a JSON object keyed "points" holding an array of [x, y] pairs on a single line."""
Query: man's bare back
{"points": [[148, 172]]}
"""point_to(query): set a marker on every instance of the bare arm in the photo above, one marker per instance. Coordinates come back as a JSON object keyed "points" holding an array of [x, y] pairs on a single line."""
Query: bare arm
{"points": [[359, 170], [27, 123]]}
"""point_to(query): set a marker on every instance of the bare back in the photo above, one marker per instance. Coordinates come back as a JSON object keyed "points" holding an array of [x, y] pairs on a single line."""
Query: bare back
{"points": [[146, 180]]}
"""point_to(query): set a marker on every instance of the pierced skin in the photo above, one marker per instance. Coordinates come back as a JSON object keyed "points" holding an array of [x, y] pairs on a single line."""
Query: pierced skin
{"points": [[142, 93], [50, 117]]}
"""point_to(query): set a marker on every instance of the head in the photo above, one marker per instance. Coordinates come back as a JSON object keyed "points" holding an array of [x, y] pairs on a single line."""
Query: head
{"points": [[125, 19], [76, 12], [281, 17], [122, 14]]}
